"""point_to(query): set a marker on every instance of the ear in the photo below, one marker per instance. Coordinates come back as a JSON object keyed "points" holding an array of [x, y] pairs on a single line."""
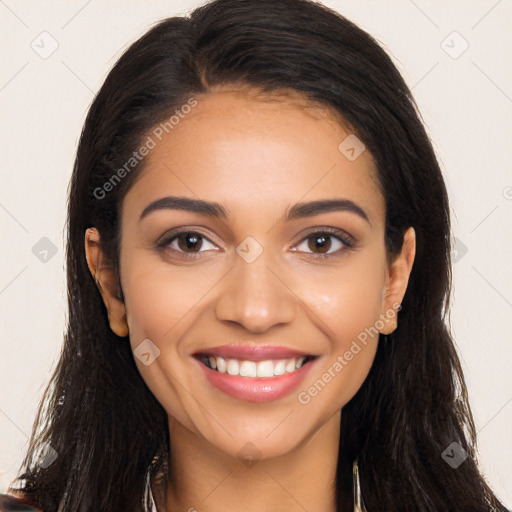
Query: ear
{"points": [[396, 282], [107, 281]]}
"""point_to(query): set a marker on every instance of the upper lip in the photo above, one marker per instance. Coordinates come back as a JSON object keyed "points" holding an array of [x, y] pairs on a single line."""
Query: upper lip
{"points": [[252, 352]]}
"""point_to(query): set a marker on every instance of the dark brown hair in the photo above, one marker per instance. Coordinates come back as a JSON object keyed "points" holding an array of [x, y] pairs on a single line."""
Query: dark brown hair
{"points": [[99, 415]]}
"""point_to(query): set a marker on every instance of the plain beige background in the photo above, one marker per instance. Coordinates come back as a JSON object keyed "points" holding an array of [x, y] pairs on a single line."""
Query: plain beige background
{"points": [[454, 55]]}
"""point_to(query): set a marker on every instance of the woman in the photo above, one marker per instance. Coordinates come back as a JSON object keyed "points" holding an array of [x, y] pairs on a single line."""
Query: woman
{"points": [[258, 268]]}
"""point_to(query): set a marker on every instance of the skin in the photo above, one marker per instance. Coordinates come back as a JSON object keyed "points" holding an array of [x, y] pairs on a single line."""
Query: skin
{"points": [[256, 158]]}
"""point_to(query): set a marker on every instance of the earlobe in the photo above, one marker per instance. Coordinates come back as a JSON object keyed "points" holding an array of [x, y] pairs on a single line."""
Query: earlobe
{"points": [[398, 278], [107, 281]]}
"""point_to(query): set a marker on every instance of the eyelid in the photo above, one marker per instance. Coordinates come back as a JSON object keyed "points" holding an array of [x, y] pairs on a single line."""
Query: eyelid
{"points": [[166, 238], [343, 235], [345, 238]]}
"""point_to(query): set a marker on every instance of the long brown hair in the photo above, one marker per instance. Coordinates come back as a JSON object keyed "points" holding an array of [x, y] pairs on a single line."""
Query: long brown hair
{"points": [[97, 413]]}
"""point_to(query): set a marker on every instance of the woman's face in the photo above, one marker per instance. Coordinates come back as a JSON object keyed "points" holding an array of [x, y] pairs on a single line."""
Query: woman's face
{"points": [[264, 275]]}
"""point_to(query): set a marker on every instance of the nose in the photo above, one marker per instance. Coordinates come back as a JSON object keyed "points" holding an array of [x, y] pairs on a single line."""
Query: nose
{"points": [[256, 296]]}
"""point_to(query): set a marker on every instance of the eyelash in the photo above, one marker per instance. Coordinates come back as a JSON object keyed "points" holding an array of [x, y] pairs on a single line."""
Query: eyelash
{"points": [[341, 235]]}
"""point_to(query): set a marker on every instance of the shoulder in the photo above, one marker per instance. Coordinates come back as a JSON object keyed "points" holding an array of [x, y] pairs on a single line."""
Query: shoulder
{"points": [[15, 499]]}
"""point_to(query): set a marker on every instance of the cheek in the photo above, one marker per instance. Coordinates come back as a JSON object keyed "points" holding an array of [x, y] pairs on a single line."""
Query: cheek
{"points": [[347, 307], [163, 305], [347, 298], [160, 302]]}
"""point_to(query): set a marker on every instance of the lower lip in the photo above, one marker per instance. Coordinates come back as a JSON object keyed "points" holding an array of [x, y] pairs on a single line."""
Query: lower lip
{"points": [[256, 389]]}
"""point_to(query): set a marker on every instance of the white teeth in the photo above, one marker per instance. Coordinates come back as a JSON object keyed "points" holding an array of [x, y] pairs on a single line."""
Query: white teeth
{"points": [[279, 368], [233, 367], [221, 364], [248, 369], [290, 365], [265, 369], [261, 369]]}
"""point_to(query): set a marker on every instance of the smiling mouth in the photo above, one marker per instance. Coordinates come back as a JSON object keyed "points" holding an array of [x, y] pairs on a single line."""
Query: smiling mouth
{"points": [[254, 369]]}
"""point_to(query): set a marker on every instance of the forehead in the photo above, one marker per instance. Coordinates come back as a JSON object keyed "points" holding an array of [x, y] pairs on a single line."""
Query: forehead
{"points": [[256, 150]]}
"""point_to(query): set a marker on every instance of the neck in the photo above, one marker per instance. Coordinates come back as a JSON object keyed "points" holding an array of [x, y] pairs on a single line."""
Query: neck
{"points": [[203, 478]]}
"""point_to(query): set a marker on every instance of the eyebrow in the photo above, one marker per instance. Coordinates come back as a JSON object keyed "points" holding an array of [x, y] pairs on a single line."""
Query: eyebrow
{"points": [[216, 210]]}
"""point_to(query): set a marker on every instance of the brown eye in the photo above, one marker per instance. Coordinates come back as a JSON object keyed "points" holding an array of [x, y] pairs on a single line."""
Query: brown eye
{"points": [[189, 240], [326, 243], [320, 242], [185, 244]]}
